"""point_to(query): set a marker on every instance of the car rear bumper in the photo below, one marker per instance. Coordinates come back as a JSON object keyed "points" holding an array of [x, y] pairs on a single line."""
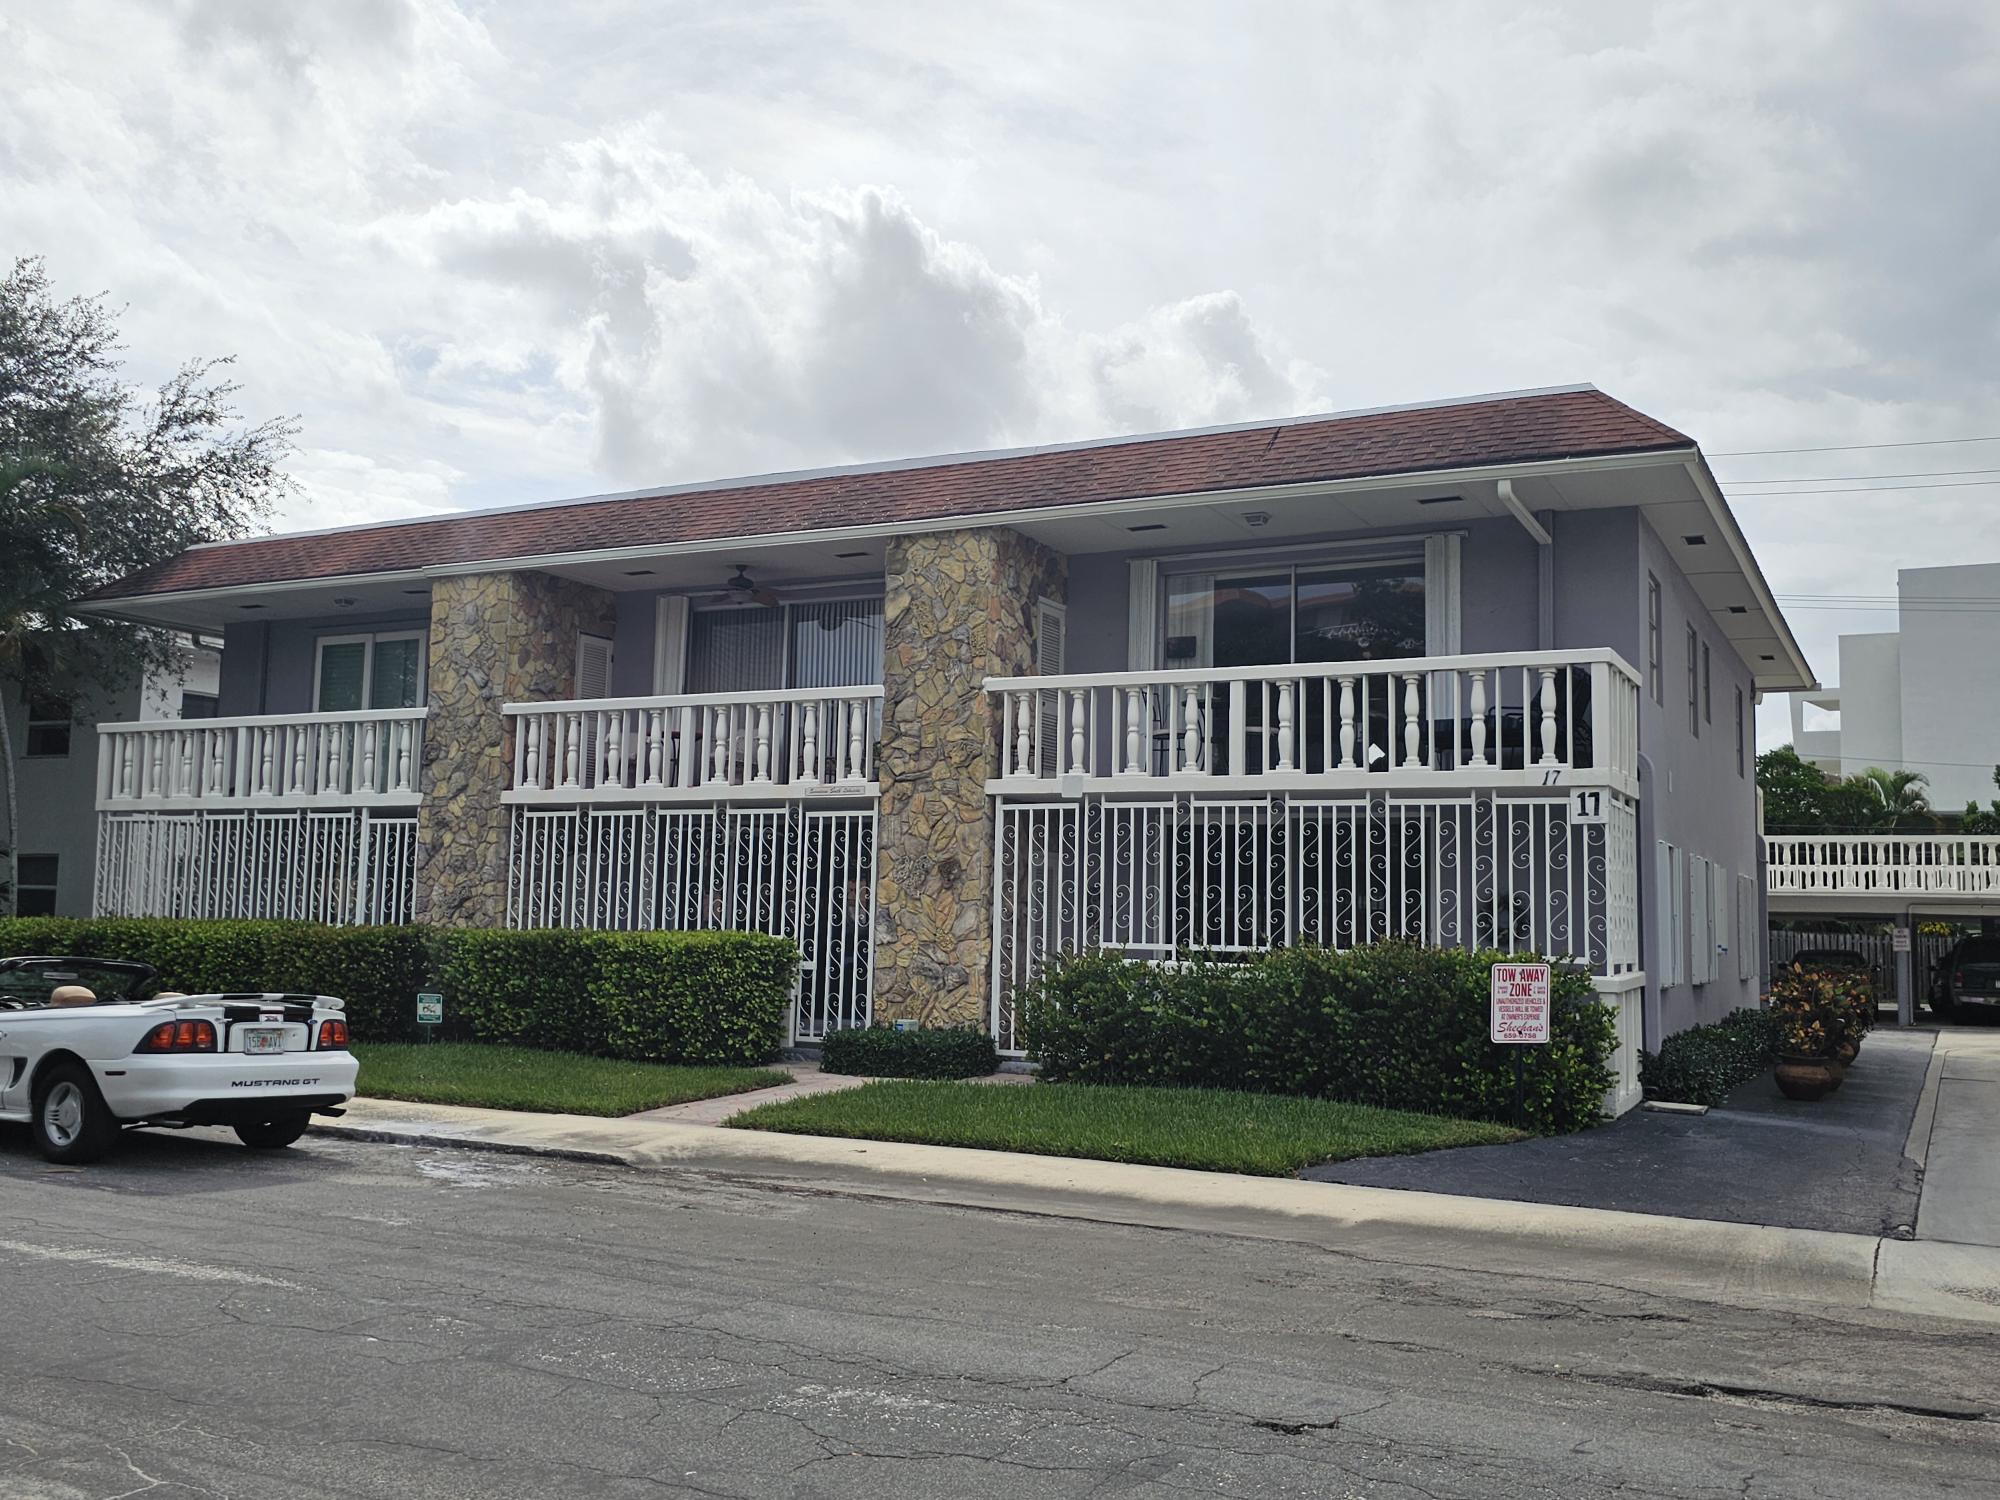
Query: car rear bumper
{"points": [[225, 1087]]}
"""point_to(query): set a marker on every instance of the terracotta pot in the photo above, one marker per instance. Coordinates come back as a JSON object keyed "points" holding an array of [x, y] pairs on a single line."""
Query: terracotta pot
{"points": [[1807, 1078]]}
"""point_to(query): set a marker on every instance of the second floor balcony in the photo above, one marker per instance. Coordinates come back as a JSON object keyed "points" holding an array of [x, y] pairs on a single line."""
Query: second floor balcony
{"points": [[362, 758], [794, 742], [1514, 719]]}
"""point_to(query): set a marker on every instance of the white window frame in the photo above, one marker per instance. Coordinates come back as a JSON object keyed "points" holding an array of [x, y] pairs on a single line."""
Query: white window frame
{"points": [[664, 642], [1656, 640], [368, 640], [66, 722], [1439, 552]]}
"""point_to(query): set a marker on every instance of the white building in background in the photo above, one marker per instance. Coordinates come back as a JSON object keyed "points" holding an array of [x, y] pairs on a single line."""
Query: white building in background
{"points": [[55, 773], [1923, 697]]}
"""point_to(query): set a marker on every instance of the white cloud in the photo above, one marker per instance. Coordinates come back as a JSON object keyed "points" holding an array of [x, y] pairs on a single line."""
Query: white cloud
{"points": [[490, 253]]}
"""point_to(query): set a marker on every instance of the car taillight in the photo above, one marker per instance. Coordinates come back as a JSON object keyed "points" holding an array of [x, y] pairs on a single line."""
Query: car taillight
{"points": [[1958, 979], [332, 1035], [179, 1036]]}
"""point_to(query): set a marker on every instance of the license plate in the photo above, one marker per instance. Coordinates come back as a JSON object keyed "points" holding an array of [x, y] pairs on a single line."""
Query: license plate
{"points": [[264, 1039]]}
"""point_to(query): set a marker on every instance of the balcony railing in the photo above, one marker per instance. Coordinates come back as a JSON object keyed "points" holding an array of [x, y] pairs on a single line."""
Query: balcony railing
{"points": [[365, 759], [1885, 864], [1519, 719], [800, 742]]}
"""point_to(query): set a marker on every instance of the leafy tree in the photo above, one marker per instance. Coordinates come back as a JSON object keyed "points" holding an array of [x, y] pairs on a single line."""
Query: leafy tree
{"points": [[97, 482], [1977, 819], [1795, 792]]}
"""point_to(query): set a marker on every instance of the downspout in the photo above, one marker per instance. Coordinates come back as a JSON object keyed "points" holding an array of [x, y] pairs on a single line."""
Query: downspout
{"points": [[1545, 586]]}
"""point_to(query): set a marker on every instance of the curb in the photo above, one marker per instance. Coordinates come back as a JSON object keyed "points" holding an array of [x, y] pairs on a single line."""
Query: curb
{"points": [[1739, 1264]]}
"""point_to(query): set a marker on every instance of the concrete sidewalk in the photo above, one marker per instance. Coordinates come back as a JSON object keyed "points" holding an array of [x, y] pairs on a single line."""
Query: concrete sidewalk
{"points": [[1739, 1264], [1957, 1139]]}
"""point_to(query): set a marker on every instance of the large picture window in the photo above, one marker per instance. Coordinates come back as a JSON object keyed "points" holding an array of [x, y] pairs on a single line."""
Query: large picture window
{"points": [[1361, 611], [354, 672]]}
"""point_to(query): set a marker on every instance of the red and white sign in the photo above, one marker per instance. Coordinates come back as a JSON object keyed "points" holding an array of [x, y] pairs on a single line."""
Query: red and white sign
{"points": [[1520, 1011]]}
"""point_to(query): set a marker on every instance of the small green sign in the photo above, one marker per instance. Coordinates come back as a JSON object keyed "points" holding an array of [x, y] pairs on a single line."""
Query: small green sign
{"points": [[430, 1010]]}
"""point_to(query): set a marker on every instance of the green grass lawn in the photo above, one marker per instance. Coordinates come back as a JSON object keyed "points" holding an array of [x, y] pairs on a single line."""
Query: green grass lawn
{"points": [[1213, 1130], [491, 1077]]}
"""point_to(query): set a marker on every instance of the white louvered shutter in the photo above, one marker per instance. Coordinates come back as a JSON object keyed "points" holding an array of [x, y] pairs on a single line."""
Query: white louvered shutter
{"points": [[1051, 622]]}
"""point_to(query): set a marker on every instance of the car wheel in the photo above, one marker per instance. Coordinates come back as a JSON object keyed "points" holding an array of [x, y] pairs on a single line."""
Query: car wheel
{"points": [[1942, 1008], [71, 1124], [275, 1133]]}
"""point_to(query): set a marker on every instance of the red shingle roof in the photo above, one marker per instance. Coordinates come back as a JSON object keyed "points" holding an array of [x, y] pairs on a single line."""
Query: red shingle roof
{"points": [[1525, 428]]}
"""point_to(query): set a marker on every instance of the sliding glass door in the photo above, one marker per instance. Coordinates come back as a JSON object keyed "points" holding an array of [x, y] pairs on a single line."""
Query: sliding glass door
{"points": [[1367, 610], [832, 643]]}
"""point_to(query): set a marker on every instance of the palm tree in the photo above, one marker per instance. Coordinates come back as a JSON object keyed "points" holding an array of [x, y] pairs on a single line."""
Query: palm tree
{"points": [[1896, 800]]}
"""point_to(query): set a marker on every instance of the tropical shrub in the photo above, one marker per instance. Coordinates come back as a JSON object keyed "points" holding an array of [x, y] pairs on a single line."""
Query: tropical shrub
{"points": [[1703, 1063], [695, 997], [1390, 1024], [931, 1052], [1821, 1012]]}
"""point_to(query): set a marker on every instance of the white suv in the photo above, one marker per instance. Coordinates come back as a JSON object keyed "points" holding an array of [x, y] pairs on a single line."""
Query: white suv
{"points": [[88, 1048]]}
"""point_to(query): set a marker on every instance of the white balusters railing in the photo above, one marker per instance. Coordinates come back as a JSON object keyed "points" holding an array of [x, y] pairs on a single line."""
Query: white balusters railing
{"points": [[1883, 864], [794, 743], [1526, 717], [371, 758]]}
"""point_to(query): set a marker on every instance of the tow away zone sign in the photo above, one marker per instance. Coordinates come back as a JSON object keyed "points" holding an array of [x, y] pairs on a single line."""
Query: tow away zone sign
{"points": [[1520, 1008]]}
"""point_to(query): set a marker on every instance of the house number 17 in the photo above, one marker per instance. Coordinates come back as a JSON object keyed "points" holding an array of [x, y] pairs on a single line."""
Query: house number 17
{"points": [[1586, 805]]}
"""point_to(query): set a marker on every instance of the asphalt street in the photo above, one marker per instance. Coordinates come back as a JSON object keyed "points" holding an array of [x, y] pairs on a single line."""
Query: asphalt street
{"points": [[359, 1320]]}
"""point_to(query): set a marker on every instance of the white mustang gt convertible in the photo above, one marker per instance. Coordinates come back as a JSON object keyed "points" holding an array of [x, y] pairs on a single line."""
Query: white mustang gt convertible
{"points": [[89, 1047]]}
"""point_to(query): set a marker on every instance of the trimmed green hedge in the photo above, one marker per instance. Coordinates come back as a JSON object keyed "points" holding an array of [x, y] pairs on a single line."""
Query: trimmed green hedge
{"points": [[1703, 1063], [933, 1052], [1391, 1024], [685, 997]]}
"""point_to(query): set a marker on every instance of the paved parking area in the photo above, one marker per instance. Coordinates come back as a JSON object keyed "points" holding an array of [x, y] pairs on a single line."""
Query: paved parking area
{"points": [[1839, 1164]]}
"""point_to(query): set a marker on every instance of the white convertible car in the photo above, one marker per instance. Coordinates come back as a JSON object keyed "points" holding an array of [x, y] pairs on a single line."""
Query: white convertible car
{"points": [[89, 1047]]}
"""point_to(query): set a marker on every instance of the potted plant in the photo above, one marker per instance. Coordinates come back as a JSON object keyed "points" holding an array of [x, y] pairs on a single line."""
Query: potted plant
{"points": [[1811, 1026]]}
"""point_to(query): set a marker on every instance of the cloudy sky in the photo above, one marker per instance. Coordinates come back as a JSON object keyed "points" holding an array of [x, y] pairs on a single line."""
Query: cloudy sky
{"points": [[491, 252]]}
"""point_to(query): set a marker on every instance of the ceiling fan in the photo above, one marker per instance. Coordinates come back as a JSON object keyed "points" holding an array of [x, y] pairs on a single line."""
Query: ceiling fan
{"points": [[742, 590]]}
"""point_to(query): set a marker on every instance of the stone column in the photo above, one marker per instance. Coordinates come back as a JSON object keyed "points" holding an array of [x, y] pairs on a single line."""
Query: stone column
{"points": [[495, 638], [959, 607]]}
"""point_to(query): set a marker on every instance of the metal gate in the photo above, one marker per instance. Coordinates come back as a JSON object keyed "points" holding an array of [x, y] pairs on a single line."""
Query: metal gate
{"points": [[799, 872]]}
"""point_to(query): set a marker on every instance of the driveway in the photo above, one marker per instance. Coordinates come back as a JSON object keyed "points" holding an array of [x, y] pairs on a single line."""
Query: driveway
{"points": [[1839, 1164]]}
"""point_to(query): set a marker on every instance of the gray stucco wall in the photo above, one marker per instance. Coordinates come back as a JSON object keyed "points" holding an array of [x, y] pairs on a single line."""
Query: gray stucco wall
{"points": [[1701, 803], [267, 665], [57, 794]]}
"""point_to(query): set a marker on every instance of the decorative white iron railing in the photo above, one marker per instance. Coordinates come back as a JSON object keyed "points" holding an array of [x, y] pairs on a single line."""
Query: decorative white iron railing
{"points": [[693, 746], [1884, 864], [1152, 877], [365, 759], [791, 869], [1512, 719], [312, 864]]}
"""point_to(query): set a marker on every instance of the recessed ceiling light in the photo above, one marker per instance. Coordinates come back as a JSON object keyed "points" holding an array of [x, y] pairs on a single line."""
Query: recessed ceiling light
{"points": [[1739, 609], [1695, 539], [1252, 518], [249, 606], [844, 555], [345, 601], [1154, 526], [1440, 499], [1767, 658], [638, 572], [416, 591]]}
